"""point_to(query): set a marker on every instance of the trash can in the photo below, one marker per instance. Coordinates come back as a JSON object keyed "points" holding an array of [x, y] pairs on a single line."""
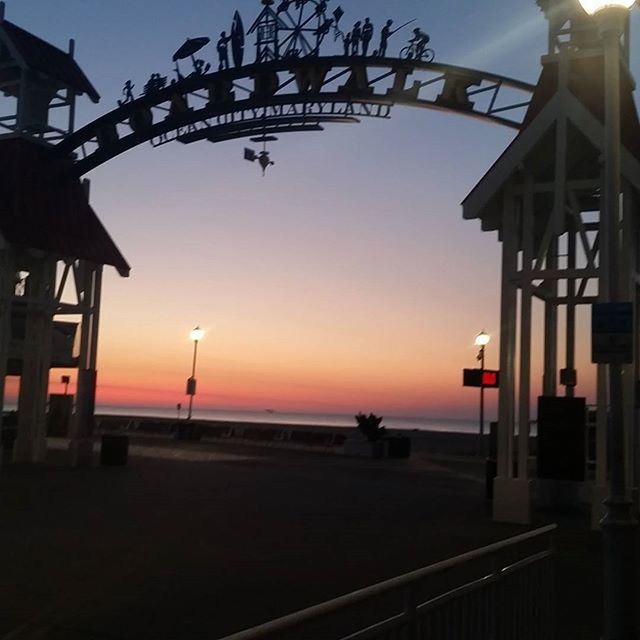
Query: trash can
{"points": [[59, 417], [188, 430], [114, 450], [399, 447], [9, 430], [491, 469]]}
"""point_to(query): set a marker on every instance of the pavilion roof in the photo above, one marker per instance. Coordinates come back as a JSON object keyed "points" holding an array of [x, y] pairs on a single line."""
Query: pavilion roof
{"points": [[583, 105], [586, 82], [43, 207], [35, 54]]}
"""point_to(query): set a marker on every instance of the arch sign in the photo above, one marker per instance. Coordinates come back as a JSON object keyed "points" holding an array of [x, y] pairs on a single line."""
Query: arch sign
{"points": [[291, 86]]}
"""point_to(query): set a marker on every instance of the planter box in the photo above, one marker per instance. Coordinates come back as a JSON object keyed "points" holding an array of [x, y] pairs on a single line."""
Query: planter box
{"points": [[398, 446], [359, 448]]}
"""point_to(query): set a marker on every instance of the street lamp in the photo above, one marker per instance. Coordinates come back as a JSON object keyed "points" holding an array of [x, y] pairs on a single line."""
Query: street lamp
{"points": [[482, 340], [196, 335], [618, 525]]}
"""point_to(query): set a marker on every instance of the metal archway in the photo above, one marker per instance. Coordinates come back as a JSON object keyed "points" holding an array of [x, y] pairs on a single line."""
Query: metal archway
{"points": [[290, 87], [292, 95]]}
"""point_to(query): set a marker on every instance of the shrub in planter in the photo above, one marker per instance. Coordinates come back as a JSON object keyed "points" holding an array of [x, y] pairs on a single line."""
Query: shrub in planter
{"points": [[369, 426]]}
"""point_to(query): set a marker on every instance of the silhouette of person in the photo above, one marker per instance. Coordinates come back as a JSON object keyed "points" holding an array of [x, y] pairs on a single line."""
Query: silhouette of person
{"points": [[420, 40], [321, 7], [127, 91], [155, 83], [223, 53], [367, 34], [385, 34], [199, 67], [356, 35], [347, 44]]}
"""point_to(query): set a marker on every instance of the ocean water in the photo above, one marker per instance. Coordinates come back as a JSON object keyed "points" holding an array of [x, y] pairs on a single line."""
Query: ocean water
{"points": [[278, 417]]}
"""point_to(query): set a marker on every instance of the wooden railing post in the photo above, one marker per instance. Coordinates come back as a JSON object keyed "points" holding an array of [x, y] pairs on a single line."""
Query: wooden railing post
{"points": [[410, 605]]}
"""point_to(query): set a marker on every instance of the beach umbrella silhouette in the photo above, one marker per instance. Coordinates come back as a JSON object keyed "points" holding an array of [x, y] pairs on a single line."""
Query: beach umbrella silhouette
{"points": [[188, 48]]}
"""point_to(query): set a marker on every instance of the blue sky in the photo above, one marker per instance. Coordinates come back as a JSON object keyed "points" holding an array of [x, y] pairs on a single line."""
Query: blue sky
{"points": [[343, 279]]}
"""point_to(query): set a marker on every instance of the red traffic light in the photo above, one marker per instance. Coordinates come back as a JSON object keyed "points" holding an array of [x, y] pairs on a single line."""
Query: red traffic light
{"points": [[487, 378]]}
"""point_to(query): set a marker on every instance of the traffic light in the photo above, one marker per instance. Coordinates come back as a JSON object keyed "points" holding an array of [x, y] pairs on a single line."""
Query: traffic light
{"points": [[487, 378]]}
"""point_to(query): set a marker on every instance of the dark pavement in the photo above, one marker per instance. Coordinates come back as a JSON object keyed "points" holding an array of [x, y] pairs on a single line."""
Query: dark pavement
{"points": [[200, 540]]}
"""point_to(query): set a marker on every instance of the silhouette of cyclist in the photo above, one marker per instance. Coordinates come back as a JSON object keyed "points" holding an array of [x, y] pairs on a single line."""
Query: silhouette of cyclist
{"points": [[420, 41]]}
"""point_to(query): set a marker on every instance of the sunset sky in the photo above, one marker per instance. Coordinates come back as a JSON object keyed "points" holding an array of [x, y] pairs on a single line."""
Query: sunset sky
{"points": [[346, 279]]}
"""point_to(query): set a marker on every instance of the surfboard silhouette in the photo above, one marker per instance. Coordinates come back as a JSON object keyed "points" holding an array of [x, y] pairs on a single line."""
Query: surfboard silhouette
{"points": [[237, 39]]}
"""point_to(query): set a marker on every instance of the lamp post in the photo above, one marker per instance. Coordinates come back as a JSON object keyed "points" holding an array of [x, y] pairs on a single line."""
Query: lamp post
{"points": [[618, 525], [196, 335], [482, 340]]}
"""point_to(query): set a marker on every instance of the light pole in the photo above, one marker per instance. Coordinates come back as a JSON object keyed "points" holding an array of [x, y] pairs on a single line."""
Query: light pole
{"points": [[482, 340], [196, 335], [618, 525]]}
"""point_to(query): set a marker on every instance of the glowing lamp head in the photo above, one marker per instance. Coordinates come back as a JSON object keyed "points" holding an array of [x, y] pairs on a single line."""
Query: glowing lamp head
{"points": [[196, 334], [595, 6], [482, 339]]}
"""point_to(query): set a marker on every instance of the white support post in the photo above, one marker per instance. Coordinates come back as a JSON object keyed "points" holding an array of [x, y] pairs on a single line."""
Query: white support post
{"points": [[629, 373], [95, 317], [7, 290], [525, 331], [632, 213], [549, 379], [81, 444], [601, 488], [30, 444], [511, 497], [549, 384], [619, 528], [570, 335]]}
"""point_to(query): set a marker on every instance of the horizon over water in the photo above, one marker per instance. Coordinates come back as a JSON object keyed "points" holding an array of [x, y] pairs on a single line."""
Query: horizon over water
{"points": [[455, 425]]}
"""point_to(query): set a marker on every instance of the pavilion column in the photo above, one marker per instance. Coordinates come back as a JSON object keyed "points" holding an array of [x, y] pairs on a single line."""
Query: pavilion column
{"points": [[31, 444], [526, 288], [601, 486], [511, 497], [556, 228], [570, 335], [7, 292], [81, 444], [549, 377], [630, 372]]}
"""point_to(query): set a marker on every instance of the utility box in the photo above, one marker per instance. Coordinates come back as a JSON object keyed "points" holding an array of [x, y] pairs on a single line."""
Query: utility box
{"points": [[561, 438], [114, 450], [59, 417]]}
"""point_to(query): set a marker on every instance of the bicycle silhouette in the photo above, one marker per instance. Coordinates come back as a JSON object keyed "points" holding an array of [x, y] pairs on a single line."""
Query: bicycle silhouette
{"points": [[410, 52]]}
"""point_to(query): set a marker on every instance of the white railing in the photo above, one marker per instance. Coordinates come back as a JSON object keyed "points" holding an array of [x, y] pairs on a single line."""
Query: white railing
{"points": [[499, 592]]}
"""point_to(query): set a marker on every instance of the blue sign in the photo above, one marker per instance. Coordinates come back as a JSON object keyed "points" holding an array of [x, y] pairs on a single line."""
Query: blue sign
{"points": [[612, 332]]}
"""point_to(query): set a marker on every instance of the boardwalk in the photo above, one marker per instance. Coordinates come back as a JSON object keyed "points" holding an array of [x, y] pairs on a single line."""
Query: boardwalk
{"points": [[200, 540]]}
